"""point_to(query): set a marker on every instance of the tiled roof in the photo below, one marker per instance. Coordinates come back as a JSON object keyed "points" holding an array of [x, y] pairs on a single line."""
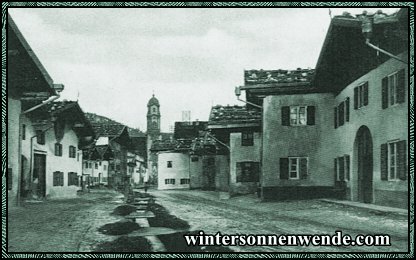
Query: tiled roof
{"points": [[59, 106], [111, 130], [252, 77], [378, 17], [172, 145], [233, 115]]}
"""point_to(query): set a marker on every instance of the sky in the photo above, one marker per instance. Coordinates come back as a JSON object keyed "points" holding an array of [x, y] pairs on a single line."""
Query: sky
{"points": [[113, 59]]}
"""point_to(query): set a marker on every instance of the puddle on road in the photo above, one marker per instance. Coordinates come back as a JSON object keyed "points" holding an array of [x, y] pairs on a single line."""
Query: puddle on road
{"points": [[164, 219], [119, 228], [123, 210], [166, 227]]}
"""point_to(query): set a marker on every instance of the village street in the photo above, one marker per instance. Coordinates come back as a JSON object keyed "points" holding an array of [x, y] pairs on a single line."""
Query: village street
{"points": [[76, 225]]}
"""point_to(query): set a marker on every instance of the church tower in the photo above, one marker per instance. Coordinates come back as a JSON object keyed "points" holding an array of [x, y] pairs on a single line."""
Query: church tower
{"points": [[153, 118]]}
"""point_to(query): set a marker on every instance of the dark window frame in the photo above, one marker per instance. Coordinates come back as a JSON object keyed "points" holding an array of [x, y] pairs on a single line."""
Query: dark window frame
{"points": [[40, 137], [58, 149], [58, 178], [72, 151], [247, 138]]}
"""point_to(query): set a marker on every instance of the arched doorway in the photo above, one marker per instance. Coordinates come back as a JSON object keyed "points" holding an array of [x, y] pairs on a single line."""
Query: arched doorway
{"points": [[364, 148]]}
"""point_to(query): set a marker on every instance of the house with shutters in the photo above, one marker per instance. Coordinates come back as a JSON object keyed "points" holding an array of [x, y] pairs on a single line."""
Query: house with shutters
{"points": [[53, 138], [96, 165], [371, 92], [28, 86], [296, 128], [45, 137], [342, 130], [235, 165], [116, 136]]}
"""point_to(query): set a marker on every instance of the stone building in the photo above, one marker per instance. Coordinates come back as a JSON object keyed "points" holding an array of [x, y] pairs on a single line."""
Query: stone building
{"points": [[340, 130]]}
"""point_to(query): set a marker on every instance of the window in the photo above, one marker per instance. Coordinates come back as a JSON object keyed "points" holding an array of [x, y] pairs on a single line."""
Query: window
{"points": [[194, 158], [72, 151], [99, 163], [294, 168], [23, 132], [58, 149], [40, 137], [89, 165], [105, 167], [185, 181], [247, 139], [96, 165], [342, 113], [394, 161], [361, 95], [72, 178], [169, 164], [393, 89], [298, 115], [342, 168], [58, 179], [169, 181], [86, 165], [248, 171]]}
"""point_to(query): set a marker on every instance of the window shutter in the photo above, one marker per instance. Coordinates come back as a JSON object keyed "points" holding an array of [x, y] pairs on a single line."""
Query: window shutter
{"points": [[310, 120], [365, 93], [284, 168], [347, 109], [341, 168], [303, 168], [256, 171], [286, 115], [336, 169], [355, 97], [239, 171], [402, 160], [401, 88], [55, 179], [347, 166], [61, 178], [384, 93], [383, 162], [335, 117], [341, 114]]}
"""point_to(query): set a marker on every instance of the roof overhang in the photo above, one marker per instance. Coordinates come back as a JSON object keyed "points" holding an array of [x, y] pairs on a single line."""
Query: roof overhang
{"points": [[25, 71], [345, 56], [234, 125]]}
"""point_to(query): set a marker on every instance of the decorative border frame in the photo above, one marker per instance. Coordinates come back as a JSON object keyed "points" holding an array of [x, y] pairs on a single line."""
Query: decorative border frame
{"points": [[4, 9]]}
